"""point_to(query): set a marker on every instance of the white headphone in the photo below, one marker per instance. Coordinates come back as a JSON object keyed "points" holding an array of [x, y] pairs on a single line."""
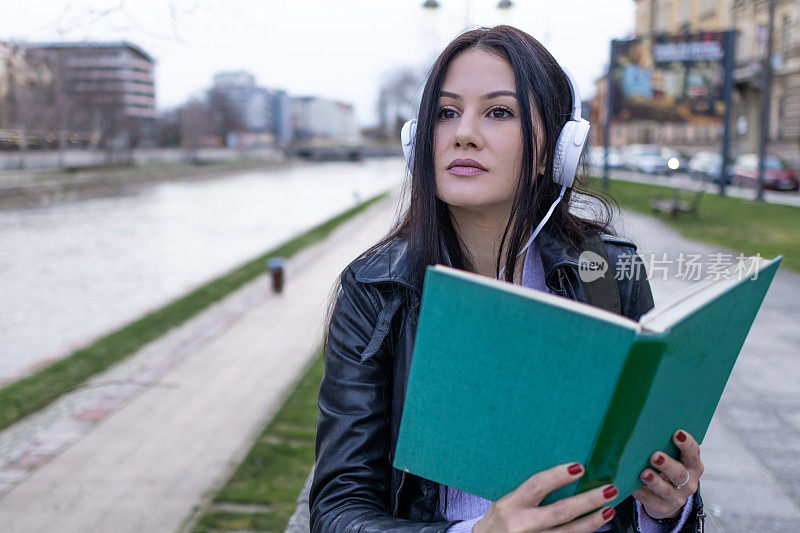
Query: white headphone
{"points": [[571, 140], [568, 150]]}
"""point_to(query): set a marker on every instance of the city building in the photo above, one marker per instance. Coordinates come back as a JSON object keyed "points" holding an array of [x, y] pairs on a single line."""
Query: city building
{"points": [[109, 89], [29, 116], [750, 19], [250, 115], [682, 16], [324, 122]]}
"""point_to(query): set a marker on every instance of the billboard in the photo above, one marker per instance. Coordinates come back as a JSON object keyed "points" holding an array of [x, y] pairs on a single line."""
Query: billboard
{"points": [[669, 78]]}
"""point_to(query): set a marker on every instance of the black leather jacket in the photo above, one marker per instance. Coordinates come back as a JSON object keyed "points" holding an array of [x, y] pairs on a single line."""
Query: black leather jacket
{"points": [[367, 360]]}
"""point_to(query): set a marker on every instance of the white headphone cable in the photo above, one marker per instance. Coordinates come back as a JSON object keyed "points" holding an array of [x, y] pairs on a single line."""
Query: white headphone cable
{"points": [[540, 226]]}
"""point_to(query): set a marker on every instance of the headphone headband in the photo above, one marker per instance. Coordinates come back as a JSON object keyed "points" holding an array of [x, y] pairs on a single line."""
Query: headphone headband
{"points": [[576, 95]]}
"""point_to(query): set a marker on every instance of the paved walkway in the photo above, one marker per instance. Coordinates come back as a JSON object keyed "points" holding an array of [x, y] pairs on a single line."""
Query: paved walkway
{"points": [[751, 450], [145, 462], [144, 466]]}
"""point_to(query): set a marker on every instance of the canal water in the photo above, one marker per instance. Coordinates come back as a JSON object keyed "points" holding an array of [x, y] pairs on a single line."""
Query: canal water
{"points": [[70, 272]]}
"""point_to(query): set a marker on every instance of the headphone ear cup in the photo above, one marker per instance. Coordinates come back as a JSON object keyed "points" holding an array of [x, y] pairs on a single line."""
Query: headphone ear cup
{"points": [[561, 150], [408, 138], [568, 151]]}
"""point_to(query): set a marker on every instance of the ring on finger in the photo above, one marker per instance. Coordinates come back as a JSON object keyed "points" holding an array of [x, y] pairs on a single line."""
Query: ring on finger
{"points": [[680, 486]]}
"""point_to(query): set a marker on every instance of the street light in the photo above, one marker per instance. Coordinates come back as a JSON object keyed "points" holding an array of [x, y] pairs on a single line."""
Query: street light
{"points": [[766, 89], [502, 5]]}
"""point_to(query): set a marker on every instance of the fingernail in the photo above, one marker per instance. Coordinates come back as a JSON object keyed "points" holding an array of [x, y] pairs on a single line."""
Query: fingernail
{"points": [[648, 477], [681, 436], [608, 512], [659, 460], [610, 492], [575, 469]]}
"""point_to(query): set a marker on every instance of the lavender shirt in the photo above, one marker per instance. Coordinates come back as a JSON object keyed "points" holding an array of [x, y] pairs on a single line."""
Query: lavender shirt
{"points": [[457, 505]]}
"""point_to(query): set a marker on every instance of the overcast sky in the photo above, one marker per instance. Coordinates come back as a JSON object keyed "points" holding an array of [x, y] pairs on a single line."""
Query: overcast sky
{"points": [[338, 49]]}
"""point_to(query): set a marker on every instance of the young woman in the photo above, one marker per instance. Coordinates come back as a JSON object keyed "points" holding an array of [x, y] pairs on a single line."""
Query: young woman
{"points": [[485, 161]]}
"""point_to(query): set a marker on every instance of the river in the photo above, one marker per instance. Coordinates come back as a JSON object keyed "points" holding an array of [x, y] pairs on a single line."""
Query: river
{"points": [[72, 271]]}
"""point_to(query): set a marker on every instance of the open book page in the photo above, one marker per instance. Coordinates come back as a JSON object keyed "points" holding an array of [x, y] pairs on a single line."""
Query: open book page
{"points": [[550, 299], [662, 317], [704, 334]]}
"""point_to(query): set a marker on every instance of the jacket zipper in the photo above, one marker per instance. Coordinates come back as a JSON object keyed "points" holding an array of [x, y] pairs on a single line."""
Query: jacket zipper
{"points": [[617, 525], [561, 288], [557, 267], [397, 494]]}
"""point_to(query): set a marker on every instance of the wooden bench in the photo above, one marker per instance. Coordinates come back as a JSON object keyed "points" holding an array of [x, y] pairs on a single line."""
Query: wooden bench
{"points": [[678, 203]]}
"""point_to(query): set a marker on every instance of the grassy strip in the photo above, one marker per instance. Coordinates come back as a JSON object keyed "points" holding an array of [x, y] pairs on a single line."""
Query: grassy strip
{"points": [[36, 391], [744, 225], [274, 471]]}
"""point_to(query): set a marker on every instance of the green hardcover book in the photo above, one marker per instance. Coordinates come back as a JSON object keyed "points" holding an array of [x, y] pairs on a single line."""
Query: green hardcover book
{"points": [[507, 381]]}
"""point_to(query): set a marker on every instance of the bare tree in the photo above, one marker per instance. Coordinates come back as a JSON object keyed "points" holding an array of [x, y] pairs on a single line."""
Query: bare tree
{"points": [[169, 128], [199, 126], [227, 118], [398, 100]]}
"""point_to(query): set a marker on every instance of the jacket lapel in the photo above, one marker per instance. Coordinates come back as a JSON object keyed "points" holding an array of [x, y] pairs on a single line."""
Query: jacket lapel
{"points": [[389, 264]]}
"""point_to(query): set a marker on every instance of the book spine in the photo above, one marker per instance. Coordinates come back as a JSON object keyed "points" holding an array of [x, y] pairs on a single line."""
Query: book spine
{"points": [[627, 402]]}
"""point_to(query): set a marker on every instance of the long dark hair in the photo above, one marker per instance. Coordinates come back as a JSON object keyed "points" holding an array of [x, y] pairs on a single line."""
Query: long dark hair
{"points": [[540, 82]]}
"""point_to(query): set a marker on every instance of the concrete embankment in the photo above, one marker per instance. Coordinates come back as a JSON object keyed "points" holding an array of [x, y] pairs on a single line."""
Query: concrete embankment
{"points": [[43, 178], [48, 186]]}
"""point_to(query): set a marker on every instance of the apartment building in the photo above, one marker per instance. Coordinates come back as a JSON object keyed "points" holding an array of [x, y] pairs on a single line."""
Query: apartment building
{"points": [[321, 121], [749, 18], [28, 99], [252, 114], [110, 89]]}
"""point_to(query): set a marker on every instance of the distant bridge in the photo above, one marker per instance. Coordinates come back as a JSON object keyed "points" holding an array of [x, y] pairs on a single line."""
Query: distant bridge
{"points": [[343, 153]]}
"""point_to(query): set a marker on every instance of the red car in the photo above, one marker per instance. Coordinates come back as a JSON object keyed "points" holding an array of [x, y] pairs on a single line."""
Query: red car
{"points": [[777, 176]]}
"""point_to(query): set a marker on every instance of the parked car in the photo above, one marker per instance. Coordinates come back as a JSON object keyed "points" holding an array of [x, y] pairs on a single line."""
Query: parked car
{"points": [[653, 159], [644, 158], [676, 161], [706, 166], [777, 175], [595, 156]]}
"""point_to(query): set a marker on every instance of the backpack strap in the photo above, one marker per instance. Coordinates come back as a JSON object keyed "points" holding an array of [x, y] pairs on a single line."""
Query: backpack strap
{"points": [[604, 291]]}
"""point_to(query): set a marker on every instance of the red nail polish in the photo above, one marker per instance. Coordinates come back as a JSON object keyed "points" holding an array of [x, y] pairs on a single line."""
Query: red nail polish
{"points": [[648, 477], [681, 436], [608, 512], [659, 460], [610, 492], [575, 469]]}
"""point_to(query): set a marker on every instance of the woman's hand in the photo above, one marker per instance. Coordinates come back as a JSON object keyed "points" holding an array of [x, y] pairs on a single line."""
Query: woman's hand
{"points": [[661, 495], [519, 511]]}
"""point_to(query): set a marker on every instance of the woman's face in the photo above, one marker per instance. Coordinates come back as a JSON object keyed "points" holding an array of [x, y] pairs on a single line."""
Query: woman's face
{"points": [[478, 119]]}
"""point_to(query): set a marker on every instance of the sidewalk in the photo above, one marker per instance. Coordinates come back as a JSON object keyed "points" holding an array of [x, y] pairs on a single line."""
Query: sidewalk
{"points": [[752, 474], [145, 466]]}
